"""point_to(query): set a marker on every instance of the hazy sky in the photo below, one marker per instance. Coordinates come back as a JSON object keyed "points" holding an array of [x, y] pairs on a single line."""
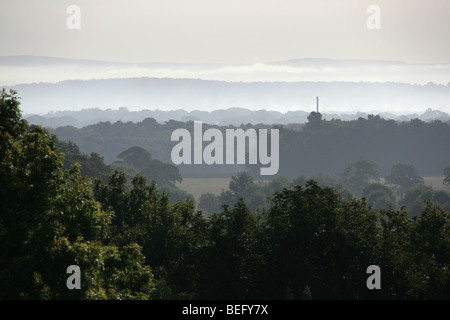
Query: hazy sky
{"points": [[227, 31]]}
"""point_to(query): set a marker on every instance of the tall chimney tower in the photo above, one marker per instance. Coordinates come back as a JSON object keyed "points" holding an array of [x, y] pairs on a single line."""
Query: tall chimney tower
{"points": [[317, 104]]}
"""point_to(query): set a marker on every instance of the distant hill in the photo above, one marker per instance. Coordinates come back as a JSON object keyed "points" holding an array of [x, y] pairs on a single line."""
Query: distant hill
{"points": [[234, 116], [53, 84], [191, 94]]}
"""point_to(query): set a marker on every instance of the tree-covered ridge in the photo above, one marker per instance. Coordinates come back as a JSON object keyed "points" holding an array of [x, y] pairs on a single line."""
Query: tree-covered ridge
{"points": [[131, 242], [328, 146], [319, 146]]}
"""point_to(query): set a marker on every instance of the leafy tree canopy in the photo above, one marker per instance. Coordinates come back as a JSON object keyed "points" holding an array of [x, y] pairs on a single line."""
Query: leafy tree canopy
{"points": [[135, 156], [359, 173], [404, 175]]}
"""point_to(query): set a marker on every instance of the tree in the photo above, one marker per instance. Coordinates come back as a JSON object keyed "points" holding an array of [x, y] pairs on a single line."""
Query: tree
{"points": [[49, 221], [442, 198], [30, 177], [169, 234], [162, 173], [430, 240], [136, 156], [378, 195], [358, 174], [209, 203], [314, 119], [404, 176], [92, 166], [129, 170], [415, 198], [232, 256], [240, 183], [317, 243], [396, 256], [242, 186], [278, 184], [109, 270]]}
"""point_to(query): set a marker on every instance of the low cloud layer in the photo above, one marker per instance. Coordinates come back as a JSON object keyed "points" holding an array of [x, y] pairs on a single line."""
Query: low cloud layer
{"points": [[316, 70]]}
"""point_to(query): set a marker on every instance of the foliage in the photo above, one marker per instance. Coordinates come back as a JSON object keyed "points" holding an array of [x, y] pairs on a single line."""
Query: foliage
{"points": [[92, 166], [416, 198], [283, 239], [378, 195], [49, 221], [135, 156], [209, 203], [162, 173], [165, 175], [358, 174], [166, 232], [304, 149], [314, 119], [233, 252], [405, 176], [135, 160]]}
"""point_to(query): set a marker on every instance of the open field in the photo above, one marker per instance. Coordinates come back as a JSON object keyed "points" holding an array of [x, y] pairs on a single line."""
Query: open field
{"points": [[198, 186], [436, 183]]}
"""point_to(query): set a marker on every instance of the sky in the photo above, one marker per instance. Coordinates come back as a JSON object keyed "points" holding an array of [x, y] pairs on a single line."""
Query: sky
{"points": [[238, 40], [227, 31]]}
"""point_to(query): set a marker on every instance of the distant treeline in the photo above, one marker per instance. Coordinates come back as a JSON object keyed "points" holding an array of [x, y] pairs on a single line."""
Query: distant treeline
{"points": [[319, 146], [233, 116], [328, 146]]}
